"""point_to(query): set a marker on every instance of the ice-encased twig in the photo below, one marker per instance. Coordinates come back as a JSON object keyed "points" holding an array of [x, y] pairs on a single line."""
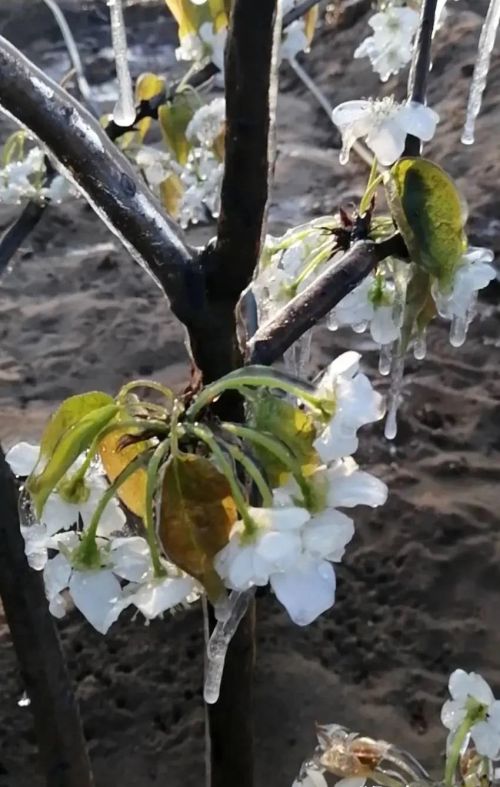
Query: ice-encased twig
{"points": [[218, 643], [124, 111], [72, 48], [481, 69]]}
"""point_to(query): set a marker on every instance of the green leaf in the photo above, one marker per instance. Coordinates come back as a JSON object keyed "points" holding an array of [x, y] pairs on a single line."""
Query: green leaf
{"points": [[174, 119], [196, 516], [420, 307], [428, 210], [293, 427], [66, 445]]}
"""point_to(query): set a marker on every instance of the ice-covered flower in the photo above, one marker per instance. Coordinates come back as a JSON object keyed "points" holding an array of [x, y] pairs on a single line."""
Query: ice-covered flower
{"points": [[61, 512], [207, 122], [206, 45], [355, 404], [276, 546], [202, 178], [472, 698], [22, 179], [370, 303], [457, 302], [384, 124], [390, 46]]}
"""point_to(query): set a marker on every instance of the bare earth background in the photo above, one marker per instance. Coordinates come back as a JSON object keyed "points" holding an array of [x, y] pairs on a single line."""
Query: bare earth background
{"points": [[419, 590]]}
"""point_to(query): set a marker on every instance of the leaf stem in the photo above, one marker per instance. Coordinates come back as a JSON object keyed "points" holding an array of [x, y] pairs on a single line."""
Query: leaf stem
{"points": [[151, 483], [254, 473], [454, 753]]}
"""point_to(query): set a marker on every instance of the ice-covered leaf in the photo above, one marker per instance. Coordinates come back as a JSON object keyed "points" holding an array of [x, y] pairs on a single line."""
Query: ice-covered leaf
{"points": [[148, 86], [293, 427], [174, 119], [428, 210], [420, 307], [115, 459], [171, 191], [196, 516], [67, 444]]}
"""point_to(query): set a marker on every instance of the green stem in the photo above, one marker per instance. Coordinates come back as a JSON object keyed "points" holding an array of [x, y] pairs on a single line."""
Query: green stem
{"points": [[454, 753], [322, 254], [207, 437], [276, 448], [374, 180], [151, 384], [254, 473], [151, 482], [253, 377], [87, 552], [137, 423]]}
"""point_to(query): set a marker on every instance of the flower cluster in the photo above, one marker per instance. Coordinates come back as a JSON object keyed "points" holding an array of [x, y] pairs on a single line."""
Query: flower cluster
{"points": [[293, 544], [124, 574], [24, 179]]}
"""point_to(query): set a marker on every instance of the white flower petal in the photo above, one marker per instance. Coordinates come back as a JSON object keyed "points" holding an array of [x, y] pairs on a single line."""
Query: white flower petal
{"points": [[289, 518], [131, 558], [311, 778], [279, 550], [97, 594], [453, 713], [349, 486], [486, 739], [327, 534], [383, 328], [22, 458], [56, 575], [307, 591], [349, 112], [35, 545], [419, 120], [159, 595], [387, 141]]}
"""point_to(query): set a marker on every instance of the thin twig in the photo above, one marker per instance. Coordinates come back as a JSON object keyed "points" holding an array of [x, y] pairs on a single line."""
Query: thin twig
{"points": [[308, 307], [421, 65], [298, 11], [14, 237], [101, 172], [57, 720]]}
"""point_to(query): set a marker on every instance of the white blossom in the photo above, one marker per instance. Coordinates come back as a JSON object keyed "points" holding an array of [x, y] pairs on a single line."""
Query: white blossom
{"points": [[360, 308], [471, 696], [472, 274], [207, 122], [390, 46], [206, 45], [22, 179], [384, 124], [355, 404], [202, 178]]}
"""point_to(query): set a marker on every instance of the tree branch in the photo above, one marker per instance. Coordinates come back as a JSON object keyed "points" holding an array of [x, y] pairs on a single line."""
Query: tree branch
{"points": [[308, 307], [102, 173], [17, 233], [57, 720], [421, 65]]}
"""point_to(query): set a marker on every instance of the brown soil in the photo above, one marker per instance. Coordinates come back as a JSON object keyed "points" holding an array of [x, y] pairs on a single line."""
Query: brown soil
{"points": [[419, 589]]}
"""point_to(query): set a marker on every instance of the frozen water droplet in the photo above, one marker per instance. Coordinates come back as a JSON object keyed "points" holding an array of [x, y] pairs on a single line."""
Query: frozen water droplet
{"points": [[331, 322], [360, 327], [394, 397], [458, 331], [385, 359], [24, 701], [27, 516], [124, 111], [420, 347], [297, 356], [219, 642], [481, 69], [344, 155]]}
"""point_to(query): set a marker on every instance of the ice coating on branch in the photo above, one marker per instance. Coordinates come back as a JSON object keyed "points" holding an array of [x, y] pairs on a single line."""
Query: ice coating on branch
{"points": [[124, 111], [481, 69], [297, 357], [220, 640]]}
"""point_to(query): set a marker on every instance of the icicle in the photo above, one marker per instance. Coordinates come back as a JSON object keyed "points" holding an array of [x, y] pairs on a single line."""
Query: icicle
{"points": [[481, 68], [420, 346], [218, 644], [124, 111], [385, 359], [332, 322], [297, 357], [458, 331], [24, 701], [394, 398], [360, 327]]}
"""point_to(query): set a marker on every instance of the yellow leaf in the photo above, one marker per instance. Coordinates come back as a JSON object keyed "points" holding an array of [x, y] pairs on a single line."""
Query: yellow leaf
{"points": [[174, 119], [428, 209], [114, 460], [219, 145], [148, 86], [171, 191], [196, 517], [311, 20]]}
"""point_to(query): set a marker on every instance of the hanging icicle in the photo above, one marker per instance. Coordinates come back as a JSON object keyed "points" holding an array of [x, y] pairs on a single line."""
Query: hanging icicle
{"points": [[481, 69], [224, 631], [394, 397], [297, 357], [124, 111]]}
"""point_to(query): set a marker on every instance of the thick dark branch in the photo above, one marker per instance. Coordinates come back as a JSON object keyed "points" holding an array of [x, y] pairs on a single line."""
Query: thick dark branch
{"points": [[103, 174], [57, 720], [17, 233], [248, 117], [314, 303], [421, 65]]}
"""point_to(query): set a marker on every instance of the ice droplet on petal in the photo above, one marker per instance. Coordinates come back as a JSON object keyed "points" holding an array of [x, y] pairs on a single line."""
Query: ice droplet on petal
{"points": [[360, 327], [124, 111], [219, 642], [458, 331], [481, 69], [332, 322], [394, 397], [24, 701], [420, 346], [385, 359]]}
